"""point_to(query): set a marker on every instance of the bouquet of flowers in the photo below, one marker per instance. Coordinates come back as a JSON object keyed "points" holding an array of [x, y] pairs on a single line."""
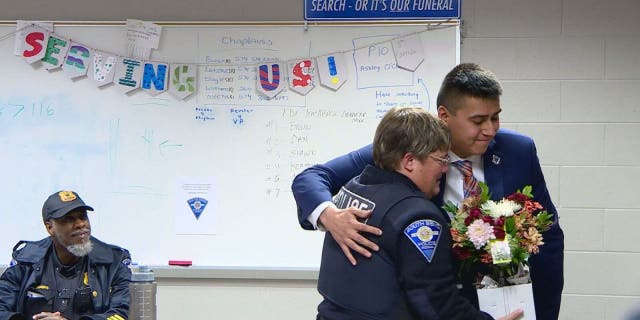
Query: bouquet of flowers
{"points": [[498, 235]]}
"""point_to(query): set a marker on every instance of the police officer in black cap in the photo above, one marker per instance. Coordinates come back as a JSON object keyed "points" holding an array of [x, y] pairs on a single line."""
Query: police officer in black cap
{"points": [[412, 274], [68, 275]]}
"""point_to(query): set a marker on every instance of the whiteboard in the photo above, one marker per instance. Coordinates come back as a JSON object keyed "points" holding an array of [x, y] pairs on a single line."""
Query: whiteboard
{"points": [[129, 155]]}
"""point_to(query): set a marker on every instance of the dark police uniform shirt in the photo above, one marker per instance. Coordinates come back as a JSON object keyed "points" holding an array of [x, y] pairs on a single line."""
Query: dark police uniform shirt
{"points": [[412, 275], [105, 286], [67, 279], [65, 284]]}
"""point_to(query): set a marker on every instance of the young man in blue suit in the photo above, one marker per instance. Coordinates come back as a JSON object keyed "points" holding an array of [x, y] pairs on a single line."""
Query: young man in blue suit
{"points": [[469, 103]]}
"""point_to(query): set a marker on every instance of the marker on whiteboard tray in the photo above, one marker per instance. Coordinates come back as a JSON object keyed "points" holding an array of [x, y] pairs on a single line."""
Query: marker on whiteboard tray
{"points": [[183, 263]]}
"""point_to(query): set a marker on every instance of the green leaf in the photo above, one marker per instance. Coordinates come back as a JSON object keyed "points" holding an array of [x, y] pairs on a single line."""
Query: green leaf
{"points": [[527, 191], [544, 220], [519, 254], [484, 194], [459, 225], [450, 207], [510, 226]]}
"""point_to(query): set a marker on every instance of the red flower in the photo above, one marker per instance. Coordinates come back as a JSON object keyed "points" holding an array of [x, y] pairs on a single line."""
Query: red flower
{"points": [[499, 233], [499, 222], [461, 253], [488, 220], [532, 206], [475, 213], [518, 197], [486, 258]]}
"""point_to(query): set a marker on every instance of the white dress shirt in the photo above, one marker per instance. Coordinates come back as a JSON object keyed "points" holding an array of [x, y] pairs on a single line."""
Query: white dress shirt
{"points": [[453, 189]]}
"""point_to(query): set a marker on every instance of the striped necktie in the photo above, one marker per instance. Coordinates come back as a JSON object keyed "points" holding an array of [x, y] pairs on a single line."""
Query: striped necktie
{"points": [[470, 183]]}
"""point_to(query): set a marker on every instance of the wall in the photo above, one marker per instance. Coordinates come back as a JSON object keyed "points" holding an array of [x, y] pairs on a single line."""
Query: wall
{"points": [[571, 76], [570, 70], [237, 299]]}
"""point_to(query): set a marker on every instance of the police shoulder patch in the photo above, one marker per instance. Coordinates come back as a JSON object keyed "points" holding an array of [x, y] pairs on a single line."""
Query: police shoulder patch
{"points": [[424, 234]]}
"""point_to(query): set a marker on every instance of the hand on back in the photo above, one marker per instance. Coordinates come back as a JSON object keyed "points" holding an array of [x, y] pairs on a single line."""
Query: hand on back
{"points": [[346, 229]]}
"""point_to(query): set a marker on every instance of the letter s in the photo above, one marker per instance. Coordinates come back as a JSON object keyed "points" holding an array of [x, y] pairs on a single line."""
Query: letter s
{"points": [[304, 79], [32, 39]]}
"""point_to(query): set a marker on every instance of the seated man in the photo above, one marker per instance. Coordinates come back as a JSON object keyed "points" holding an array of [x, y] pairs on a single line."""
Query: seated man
{"points": [[411, 276], [68, 275]]}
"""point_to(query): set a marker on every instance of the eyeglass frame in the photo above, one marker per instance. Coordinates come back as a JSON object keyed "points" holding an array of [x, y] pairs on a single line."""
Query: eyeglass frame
{"points": [[443, 161]]}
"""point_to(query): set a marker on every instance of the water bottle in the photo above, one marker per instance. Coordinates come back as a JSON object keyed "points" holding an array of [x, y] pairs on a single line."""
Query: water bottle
{"points": [[142, 290]]}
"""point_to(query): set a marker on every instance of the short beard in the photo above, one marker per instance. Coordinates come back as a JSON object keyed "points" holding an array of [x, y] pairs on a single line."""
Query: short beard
{"points": [[80, 250]]}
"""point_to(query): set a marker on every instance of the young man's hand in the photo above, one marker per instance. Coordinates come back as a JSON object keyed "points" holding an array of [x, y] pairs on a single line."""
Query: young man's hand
{"points": [[346, 228]]}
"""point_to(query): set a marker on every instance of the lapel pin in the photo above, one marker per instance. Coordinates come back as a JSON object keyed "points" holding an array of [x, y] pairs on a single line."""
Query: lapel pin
{"points": [[495, 159]]}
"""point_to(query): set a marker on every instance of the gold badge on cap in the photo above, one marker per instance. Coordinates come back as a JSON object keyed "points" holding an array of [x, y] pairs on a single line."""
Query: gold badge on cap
{"points": [[66, 196]]}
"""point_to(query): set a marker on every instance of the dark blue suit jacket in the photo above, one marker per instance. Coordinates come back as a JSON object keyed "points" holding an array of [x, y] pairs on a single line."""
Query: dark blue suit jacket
{"points": [[510, 163]]}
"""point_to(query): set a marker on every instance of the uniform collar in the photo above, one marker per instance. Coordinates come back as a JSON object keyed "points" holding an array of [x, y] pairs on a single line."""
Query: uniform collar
{"points": [[32, 252], [374, 175]]}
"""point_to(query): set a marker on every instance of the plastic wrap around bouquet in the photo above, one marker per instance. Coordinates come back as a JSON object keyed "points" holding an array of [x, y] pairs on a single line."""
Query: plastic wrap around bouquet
{"points": [[497, 238]]}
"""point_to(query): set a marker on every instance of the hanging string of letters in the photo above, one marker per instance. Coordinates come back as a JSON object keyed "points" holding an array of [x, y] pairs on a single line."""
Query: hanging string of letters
{"points": [[180, 79]]}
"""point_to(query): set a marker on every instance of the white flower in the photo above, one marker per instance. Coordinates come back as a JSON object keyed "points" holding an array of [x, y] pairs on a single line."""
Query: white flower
{"points": [[504, 208]]}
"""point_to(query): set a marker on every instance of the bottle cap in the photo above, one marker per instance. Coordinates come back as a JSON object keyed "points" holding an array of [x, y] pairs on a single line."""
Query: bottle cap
{"points": [[143, 274]]}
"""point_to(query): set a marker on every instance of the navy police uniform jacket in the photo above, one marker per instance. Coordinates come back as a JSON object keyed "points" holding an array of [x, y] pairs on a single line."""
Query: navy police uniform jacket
{"points": [[108, 275], [510, 163], [411, 276]]}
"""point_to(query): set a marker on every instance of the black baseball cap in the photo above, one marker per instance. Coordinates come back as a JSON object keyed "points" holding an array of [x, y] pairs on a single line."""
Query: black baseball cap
{"points": [[61, 203]]}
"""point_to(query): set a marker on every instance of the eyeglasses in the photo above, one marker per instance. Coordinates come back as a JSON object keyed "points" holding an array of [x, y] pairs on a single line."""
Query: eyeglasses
{"points": [[443, 161]]}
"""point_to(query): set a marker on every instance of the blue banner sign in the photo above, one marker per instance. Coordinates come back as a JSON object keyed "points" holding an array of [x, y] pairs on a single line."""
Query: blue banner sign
{"points": [[315, 10]]}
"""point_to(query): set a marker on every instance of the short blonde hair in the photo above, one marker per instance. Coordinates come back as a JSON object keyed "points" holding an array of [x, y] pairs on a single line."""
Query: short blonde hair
{"points": [[408, 130]]}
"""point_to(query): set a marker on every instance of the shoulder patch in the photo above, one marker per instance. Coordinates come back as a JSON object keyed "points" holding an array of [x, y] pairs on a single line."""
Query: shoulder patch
{"points": [[424, 234]]}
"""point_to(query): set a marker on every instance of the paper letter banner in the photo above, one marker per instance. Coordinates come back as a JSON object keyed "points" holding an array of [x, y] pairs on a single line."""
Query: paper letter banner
{"points": [[57, 48], [21, 26], [301, 73], [408, 51], [183, 80], [78, 60], [381, 64], [34, 44], [270, 80], [333, 70], [128, 74], [103, 67], [155, 78]]}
